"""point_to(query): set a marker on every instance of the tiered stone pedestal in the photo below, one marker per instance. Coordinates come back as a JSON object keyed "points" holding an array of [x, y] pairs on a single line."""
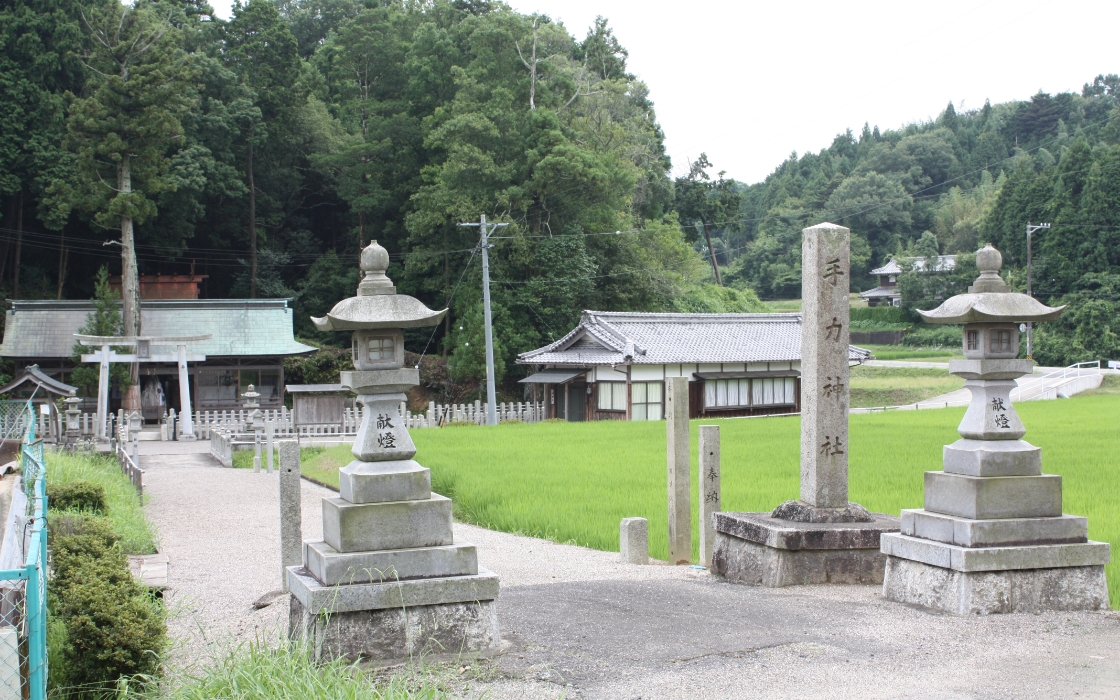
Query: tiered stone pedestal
{"points": [[759, 548], [992, 537], [388, 581]]}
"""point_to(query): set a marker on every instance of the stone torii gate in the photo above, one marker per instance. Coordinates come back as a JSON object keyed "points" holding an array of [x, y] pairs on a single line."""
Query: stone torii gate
{"points": [[143, 344]]}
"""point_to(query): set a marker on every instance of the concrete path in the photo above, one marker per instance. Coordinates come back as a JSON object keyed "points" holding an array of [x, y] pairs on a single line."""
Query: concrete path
{"points": [[577, 623]]}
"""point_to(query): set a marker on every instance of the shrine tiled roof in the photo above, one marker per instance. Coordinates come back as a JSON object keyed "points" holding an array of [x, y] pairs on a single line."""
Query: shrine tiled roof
{"points": [[619, 338], [239, 327]]}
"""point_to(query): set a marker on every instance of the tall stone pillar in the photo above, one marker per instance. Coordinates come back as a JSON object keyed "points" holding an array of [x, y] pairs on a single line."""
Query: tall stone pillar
{"points": [[822, 537], [825, 264]]}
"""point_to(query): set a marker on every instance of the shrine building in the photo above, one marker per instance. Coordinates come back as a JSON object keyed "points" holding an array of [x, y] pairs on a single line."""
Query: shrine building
{"points": [[249, 339], [613, 365]]}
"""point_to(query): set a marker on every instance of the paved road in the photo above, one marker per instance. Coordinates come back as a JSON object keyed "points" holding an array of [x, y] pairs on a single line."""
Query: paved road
{"points": [[577, 623]]}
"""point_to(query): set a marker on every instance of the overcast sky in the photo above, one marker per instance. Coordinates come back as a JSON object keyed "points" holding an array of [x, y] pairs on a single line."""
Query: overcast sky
{"points": [[749, 82]]}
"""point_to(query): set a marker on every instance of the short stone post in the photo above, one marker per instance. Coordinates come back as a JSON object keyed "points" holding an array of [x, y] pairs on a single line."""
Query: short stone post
{"points": [[291, 535], [269, 431], [709, 490], [633, 540], [676, 448], [256, 452]]}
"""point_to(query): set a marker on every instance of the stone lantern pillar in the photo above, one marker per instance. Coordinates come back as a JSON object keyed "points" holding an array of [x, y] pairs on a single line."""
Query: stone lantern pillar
{"points": [[992, 537], [388, 581]]}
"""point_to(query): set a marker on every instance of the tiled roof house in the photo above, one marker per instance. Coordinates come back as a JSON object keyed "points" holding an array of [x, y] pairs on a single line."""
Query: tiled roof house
{"points": [[887, 293], [613, 365]]}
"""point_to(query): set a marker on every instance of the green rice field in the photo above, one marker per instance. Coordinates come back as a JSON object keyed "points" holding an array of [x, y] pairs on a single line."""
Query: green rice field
{"points": [[573, 482]]}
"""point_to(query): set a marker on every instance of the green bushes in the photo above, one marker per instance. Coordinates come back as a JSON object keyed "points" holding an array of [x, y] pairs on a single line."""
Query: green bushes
{"points": [[77, 495], [934, 337], [113, 627], [122, 503], [102, 624], [881, 315]]}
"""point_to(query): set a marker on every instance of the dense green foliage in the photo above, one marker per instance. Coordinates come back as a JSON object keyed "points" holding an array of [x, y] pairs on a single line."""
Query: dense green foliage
{"points": [[113, 627], [263, 151], [585, 477], [77, 495]]}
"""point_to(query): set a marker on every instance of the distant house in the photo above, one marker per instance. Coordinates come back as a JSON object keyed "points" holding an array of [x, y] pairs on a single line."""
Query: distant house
{"points": [[613, 365], [250, 339], [887, 294]]}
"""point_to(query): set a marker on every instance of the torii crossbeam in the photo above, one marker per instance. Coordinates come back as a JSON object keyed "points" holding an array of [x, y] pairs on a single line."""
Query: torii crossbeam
{"points": [[143, 345]]}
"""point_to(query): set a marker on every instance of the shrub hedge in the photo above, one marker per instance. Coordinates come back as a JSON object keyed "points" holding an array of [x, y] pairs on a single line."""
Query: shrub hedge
{"points": [[113, 626], [77, 495]]}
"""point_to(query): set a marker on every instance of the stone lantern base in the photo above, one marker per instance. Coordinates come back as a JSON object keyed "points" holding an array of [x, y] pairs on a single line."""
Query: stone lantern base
{"points": [[989, 592], [396, 619]]}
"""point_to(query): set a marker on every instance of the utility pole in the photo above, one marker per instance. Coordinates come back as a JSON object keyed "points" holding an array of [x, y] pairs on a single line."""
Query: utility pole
{"points": [[484, 243], [1030, 231]]}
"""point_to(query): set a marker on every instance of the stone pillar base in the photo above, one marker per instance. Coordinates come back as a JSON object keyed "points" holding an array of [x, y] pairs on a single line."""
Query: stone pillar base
{"points": [[988, 592], [395, 620], [759, 549]]}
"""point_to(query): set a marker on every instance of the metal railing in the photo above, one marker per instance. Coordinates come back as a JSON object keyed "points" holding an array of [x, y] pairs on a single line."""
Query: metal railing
{"points": [[23, 589], [1051, 384]]}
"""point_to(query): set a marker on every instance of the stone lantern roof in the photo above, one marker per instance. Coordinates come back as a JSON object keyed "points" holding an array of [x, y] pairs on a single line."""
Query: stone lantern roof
{"points": [[990, 300], [377, 305]]}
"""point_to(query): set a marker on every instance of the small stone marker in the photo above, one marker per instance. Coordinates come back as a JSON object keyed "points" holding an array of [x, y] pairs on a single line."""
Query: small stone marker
{"points": [[709, 489], [257, 452], [824, 366], [676, 448], [269, 432], [291, 536], [633, 538]]}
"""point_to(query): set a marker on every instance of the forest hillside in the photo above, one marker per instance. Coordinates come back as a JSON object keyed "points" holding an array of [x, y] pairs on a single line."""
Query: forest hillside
{"points": [[264, 151]]}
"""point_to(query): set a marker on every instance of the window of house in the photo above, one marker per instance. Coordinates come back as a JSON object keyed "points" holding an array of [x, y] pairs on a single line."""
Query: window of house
{"points": [[646, 401], [973, 338], [999, 341], [612, 396], [735, 393]]}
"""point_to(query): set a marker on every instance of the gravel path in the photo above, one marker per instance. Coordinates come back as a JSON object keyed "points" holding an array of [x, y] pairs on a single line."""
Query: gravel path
{"points": [[220, 529], [577, 623]]}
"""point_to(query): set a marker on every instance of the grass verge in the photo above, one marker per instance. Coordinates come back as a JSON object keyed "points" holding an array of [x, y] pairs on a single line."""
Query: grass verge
{"points": [[904, 352], [896, 386], [289, 672], [575, 481], [124, 507]]}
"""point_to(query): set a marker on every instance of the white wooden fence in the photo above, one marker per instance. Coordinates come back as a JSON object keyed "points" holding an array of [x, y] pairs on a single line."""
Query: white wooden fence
{"points": [[240, 421]]}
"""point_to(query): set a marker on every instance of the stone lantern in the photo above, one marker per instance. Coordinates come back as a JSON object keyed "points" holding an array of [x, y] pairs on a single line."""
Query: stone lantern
{"points": [[73, 419], [256, 418], [388, 581], [992, 536]]}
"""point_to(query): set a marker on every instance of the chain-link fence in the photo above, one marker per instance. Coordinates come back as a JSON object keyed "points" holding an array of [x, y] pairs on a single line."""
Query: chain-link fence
{"points": [[23, 576]]}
